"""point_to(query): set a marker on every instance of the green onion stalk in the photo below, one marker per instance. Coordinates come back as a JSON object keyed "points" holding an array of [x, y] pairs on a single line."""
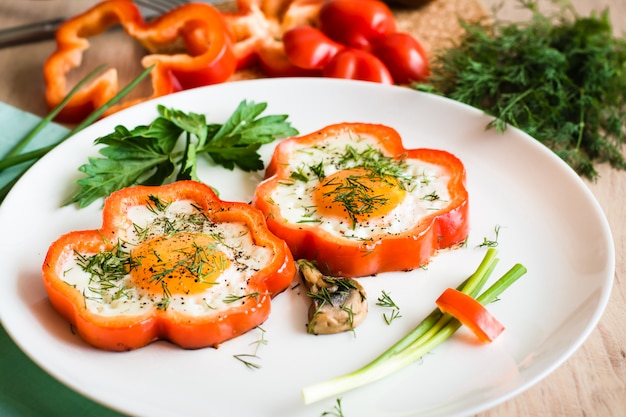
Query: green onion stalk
{"points": [[436, 328], [14, 157]]}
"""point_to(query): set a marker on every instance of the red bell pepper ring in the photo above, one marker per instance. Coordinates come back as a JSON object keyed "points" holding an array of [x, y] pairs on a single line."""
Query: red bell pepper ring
{"points": [[164, 270], [207, 57], [336, 253], [471, 313]]}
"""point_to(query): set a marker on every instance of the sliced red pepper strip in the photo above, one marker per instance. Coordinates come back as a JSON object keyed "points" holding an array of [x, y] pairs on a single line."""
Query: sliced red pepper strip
{"points": [[336, 253], [206, 56], [471, 313], [164, 283]]}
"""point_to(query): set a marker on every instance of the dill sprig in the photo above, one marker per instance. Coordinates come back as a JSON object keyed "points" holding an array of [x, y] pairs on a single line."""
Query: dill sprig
{"points": [[385, 301], [249, 359], [489, 242], [336, 411], [560, 78]]}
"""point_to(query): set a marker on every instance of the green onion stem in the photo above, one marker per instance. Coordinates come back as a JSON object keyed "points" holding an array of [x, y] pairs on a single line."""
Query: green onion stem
{"points": [[43, 122], [24, 157], [12, 158], [403, 353], [113, 101], [471, 286], [7, 187]]}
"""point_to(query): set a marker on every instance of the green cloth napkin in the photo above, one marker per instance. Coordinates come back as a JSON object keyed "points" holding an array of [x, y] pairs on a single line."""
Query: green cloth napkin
{"points": [[25, 389], [15, 125]]}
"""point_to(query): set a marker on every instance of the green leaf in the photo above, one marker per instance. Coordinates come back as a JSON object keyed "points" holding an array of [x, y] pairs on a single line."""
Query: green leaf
{"points": [[105, 176], [192, 123], [245, 157], [237, 141], [130, 158], [162, 131], [244, 128], [149, 154], [237, 122], [266, 129]]}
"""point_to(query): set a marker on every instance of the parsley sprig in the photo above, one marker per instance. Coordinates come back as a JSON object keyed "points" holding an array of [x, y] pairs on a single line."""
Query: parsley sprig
{"points": [[149, 155], [560, 78]]}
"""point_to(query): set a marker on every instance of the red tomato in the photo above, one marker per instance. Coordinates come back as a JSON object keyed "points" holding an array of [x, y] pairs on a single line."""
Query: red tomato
{"points": [[307, 47], [355, 64], [274, 62], [403, 55], [356, 23]]}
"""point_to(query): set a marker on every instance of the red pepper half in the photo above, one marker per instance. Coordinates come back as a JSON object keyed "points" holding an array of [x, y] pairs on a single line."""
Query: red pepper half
{"points": [[196, 41], [353, 199], [170, 262], [471, 313]]}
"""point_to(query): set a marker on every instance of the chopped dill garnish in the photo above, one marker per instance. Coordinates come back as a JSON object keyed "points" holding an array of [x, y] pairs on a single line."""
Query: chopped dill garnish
{"points": [[336, 412], [385, 301], [491, 243]]}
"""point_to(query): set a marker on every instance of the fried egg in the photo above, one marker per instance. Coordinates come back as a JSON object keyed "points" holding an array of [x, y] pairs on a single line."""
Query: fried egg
{"points": [[347, 186], [170, 256]]}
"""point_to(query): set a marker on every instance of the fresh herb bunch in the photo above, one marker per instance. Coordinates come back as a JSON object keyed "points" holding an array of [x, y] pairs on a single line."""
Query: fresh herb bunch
{"points": [[560, 78], [149, 155]]}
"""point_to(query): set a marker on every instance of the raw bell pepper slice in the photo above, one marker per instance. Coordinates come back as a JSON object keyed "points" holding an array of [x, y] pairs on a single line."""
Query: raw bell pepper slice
{"points": [[190, 46], [471, 313], [353, 199], [258, 27], [170, 262]]}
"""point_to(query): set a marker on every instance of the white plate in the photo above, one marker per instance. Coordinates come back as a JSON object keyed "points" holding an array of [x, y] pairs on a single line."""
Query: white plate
{"points": [[549, 221]]}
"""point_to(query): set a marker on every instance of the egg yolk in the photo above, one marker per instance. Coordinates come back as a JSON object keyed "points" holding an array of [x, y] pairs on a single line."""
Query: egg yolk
{"points": [[183, 263], [357, 194]]}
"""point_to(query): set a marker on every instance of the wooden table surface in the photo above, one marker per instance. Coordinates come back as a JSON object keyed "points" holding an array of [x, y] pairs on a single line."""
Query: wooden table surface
{"points": [[592, 382]]}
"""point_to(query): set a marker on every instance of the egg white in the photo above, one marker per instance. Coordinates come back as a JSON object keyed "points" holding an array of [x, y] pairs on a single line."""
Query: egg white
{"points": [[295, 197], [119, 297]]}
